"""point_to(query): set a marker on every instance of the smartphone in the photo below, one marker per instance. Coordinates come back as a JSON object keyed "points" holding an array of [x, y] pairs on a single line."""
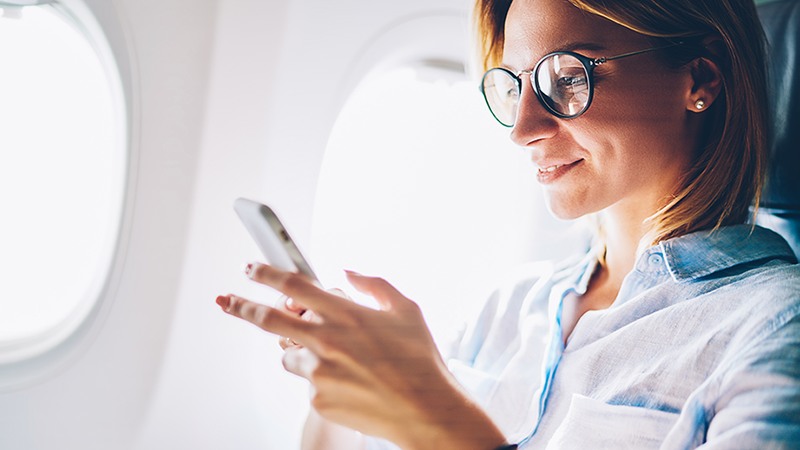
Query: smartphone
{"points": [[272, 238]]}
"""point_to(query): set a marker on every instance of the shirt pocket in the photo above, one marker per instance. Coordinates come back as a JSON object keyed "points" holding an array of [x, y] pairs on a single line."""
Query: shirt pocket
{"points": [[592, 424]]}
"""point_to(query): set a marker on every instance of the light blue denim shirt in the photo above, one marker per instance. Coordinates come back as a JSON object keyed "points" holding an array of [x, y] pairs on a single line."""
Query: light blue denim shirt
{"points": [[700, 349]]}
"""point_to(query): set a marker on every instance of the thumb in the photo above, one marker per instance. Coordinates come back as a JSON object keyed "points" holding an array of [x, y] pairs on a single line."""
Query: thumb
{"points": [[387, 296]]}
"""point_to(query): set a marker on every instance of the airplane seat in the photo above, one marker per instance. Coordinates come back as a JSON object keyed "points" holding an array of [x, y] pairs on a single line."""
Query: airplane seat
{"points": [[780, 201]]}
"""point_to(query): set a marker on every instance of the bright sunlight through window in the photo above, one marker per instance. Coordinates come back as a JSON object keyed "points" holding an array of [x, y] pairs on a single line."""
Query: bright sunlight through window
{"points": [[61, 177], [419, 185]]}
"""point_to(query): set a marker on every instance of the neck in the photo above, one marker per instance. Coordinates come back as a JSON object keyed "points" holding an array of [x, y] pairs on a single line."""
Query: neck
{"points": [[623, 236]]}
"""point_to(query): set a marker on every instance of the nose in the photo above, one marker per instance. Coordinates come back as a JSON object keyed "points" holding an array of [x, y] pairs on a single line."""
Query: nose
{"points": [[533, 122]]}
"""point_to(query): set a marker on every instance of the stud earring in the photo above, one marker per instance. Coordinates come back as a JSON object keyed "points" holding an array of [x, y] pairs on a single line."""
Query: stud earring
{"points": [[700, 104]]}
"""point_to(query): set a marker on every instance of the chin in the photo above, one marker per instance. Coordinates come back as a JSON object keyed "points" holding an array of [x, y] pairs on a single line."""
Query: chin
{"points": [[565, 213], [566, 210]]}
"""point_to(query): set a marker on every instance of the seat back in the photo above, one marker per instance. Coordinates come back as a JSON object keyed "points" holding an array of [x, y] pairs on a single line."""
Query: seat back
{"points": [[780, 202]]}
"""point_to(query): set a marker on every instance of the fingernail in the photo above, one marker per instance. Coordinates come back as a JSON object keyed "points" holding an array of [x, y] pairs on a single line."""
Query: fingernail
{"points": [[350, 272], [224, 302], [248, 269]]}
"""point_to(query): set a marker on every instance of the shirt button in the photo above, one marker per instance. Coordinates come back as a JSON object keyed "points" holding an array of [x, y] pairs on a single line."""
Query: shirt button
{"points": [[655, 259]]}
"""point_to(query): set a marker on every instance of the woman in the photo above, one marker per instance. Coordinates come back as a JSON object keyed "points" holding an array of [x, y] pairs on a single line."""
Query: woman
{"points": [[679, 329]]}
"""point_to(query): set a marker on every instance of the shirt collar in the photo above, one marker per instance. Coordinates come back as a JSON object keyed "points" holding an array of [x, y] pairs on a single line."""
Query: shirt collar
{"points": [[703, 253]]}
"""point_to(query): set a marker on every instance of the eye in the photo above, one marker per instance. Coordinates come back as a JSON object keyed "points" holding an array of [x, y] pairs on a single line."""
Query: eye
{"points": [[571, 77], [571, 85], [512, 94], [572, 82]]}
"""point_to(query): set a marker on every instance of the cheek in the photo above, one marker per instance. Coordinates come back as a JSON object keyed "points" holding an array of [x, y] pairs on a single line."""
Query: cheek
{"points": [[642, 96], [634, 135], [642, 116], [627, 158], [620, 161]]}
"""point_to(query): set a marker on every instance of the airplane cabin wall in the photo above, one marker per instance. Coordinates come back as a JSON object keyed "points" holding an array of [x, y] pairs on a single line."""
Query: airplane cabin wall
{"points": [[225, 98], [93, 391]]}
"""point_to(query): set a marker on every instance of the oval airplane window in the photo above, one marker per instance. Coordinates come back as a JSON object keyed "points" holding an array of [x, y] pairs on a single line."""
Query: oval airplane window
{"points": [[420, 186], [62, 173]]}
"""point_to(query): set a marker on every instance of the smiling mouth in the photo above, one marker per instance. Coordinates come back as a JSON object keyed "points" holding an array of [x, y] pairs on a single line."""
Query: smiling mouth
{"points": [[551, 173], [551, 168]]}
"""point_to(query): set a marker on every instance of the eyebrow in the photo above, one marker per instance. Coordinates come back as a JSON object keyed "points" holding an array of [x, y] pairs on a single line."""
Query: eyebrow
{"points": [[572, 46], [568, 47]]}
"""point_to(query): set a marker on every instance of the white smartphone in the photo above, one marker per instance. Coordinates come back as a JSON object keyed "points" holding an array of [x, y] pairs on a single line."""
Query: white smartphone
{"points": [[272, 238]]}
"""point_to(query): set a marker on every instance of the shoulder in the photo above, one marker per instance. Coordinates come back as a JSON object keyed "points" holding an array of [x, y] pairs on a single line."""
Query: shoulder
{"points": [[774, 294], [769, 293], [758, 309], [765, 319], [740, 271]]}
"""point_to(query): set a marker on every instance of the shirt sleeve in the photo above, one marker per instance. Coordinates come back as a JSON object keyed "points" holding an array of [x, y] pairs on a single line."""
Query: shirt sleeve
{"points": [[759, 402]]}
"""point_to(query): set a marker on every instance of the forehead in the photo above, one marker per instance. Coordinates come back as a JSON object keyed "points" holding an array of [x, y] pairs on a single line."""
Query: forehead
{"points": [[534, 28]]}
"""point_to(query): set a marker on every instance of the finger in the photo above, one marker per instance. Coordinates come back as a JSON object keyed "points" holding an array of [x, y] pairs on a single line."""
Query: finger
{"points": [[300, 361], [310, 316], [293, 306], [285, 303], [267, 318], [387, 296], [280, 303], [286, 342], [301, 289]]}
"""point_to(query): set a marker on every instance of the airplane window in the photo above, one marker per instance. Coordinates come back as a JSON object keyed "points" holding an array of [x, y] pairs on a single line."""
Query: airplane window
{"points": [[420, 186], [62, 171]]}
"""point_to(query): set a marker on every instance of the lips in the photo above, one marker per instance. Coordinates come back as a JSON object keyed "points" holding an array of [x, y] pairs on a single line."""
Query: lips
{"points": [[551, 172], [550, 168]]}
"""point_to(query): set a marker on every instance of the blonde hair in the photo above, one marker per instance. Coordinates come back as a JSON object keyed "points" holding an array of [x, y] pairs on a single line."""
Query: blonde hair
{"points": [[728, 172]]}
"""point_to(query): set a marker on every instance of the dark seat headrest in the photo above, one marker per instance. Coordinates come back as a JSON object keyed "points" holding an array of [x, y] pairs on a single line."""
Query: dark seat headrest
{"points": [[780, 202]]}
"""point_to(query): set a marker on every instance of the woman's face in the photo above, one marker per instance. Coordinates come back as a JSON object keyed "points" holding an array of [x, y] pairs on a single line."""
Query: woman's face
{"points": [[628, 151]]}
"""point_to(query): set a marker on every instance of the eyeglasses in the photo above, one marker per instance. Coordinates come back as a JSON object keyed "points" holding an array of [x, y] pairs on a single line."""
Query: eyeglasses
{"points": [[562, 82]]}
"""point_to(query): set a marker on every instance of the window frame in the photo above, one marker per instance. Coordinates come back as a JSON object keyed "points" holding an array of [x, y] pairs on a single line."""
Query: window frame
{"points": [[25, 359]]}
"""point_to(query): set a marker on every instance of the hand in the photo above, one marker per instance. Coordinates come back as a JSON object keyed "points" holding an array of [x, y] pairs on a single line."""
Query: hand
{"points": [[376, 371], [287, 305]]}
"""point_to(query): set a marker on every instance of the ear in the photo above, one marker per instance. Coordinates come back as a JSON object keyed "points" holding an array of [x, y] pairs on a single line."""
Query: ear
{"points": [[706, 84]]}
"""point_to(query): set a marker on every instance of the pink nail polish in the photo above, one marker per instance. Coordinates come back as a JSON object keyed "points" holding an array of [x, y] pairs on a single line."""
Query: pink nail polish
{"points": [[224, 302]]}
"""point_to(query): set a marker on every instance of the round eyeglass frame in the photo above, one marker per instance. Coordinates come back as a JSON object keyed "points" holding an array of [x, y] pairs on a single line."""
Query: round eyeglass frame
{"points": [[589, 64]]}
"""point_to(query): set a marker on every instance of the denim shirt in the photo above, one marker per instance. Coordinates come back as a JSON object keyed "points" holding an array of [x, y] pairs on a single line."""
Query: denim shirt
{"points": [[700, 349]]}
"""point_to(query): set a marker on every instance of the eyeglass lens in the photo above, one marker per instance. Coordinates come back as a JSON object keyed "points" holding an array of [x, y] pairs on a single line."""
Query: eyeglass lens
{"points": [[501, 90], [563, 84], [561, 81]]}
